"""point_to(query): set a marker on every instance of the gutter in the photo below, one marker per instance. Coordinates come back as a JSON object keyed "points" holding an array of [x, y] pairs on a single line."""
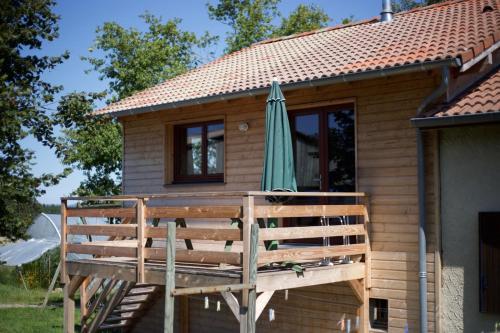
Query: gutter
{"points": [[448, 121], [350, 77]]}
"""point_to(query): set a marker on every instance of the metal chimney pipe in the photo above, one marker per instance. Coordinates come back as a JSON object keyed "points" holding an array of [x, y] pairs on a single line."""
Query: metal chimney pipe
{"points": [[387, 13]]}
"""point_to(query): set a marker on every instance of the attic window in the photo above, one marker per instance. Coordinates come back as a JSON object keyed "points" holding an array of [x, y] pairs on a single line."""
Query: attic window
{"points": [[487, 9]]}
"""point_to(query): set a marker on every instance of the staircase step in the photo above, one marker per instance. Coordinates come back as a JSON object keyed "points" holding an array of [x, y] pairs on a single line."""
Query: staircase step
{"points": [[111, 326], [140, 293], [133, 302], [131, 315], [126, 309]]}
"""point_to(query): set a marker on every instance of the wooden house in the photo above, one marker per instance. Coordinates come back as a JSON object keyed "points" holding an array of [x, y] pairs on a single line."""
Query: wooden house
{"points": [[397, 148]]}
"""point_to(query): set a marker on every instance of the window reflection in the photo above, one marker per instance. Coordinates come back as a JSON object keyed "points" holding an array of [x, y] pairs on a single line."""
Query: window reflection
{"points": [[215, 148]]}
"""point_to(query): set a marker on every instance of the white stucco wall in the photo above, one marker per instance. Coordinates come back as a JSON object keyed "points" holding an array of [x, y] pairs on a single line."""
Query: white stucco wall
{"points": [[470, 183]]}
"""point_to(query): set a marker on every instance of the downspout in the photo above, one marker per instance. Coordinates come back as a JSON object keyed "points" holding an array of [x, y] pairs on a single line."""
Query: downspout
{"points": [[422, 242]]}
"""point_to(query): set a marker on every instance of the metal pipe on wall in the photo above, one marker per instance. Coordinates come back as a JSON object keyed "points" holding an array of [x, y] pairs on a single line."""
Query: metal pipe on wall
{"points": [[422, 242]]}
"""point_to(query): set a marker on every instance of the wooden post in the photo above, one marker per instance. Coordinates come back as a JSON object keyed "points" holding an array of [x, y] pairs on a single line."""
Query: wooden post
{"points": [[64, 220], [141, 241], [184, 314], [252, 293], [84, 298], [170, 279], [69, 309], [248, 220]]}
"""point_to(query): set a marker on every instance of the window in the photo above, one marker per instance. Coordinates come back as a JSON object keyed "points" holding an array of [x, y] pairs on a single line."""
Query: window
{"points": [[199, 152], [489, 262], [379, 314]]}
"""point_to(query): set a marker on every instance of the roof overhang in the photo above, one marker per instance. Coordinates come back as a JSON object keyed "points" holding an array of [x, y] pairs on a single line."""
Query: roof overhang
{"points": [[349, 77], [459, 120]]}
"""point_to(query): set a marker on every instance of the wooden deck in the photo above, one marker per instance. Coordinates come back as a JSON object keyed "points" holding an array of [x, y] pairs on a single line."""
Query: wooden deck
{"points": [[187, 259]]}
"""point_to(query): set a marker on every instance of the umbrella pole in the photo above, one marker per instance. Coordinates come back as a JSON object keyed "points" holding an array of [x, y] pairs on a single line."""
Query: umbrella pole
{"points": [[22, 278]]}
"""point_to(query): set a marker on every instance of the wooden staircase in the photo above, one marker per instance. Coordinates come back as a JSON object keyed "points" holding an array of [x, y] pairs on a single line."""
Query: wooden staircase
{"points": [[117, 306]]}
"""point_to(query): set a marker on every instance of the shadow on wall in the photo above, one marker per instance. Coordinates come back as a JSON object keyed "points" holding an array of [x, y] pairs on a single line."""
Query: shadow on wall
{"points": [[470, 183]]}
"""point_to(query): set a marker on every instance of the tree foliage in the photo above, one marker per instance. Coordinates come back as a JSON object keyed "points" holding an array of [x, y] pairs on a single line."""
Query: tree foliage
{"points": [[252, 20], [403, 5], [90, 143], [131, 60], [303, 18], [25, 25]]}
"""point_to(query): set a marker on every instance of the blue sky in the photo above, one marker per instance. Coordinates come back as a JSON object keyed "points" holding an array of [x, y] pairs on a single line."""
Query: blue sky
{"points": [[78, 22]]}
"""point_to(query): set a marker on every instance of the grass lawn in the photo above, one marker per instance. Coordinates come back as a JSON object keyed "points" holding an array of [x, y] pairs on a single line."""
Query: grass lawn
{"points": [[31, 320], [14, 295], [27, 320]]}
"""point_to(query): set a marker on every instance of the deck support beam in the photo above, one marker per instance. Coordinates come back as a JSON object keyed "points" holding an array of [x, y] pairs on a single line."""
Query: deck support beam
{"points": [[70, 287], [248, 310], [261, 303], [170, 279]]}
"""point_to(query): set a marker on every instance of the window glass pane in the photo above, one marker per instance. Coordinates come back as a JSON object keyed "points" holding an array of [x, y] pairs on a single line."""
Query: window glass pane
{"points": [[341, 151], [191, 156], [215, 148], [307, 156]]}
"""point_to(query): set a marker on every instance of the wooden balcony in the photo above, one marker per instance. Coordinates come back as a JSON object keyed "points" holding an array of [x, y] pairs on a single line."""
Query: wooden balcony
{"points": [[199, 248]]}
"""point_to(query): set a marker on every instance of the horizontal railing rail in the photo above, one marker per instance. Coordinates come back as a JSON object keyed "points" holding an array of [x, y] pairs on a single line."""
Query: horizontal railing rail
{"points": [[133, 237]]}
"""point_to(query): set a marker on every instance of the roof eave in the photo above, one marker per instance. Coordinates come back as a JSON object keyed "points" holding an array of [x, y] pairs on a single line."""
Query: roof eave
{"points": [[349, 77], [458, 120]]}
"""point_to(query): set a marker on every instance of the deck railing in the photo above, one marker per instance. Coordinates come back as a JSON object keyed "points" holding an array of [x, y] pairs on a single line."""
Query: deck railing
{"points": [[132, 237]]}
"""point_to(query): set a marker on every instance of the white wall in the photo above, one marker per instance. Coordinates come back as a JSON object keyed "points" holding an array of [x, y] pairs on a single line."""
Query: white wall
{"points": [[470, 183]]}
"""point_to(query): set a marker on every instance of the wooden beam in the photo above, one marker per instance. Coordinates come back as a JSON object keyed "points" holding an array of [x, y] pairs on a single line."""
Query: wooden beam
{"points": [[311, 232], [141, 239], [117, 230], [261, 303], [309, 277], [308, 210], [154, 274], [84, 298], [64, 222], [232, 302], [184, 314], [252, 294], [170, 279], [357, 287], [102, 250], [194, 212], [248, 219], [69, 309], [197, 233], [309, 253], [212, 289], [101, 212], [74, 284], [196, 256]]}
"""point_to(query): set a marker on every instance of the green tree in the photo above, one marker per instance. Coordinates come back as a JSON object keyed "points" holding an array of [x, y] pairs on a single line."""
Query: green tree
{"points": [[25, 25], [403, 5], [250, 20], [129, 60], [90, 143], [303, 18]]}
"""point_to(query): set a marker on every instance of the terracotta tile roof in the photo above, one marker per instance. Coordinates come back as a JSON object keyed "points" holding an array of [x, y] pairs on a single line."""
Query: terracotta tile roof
{"points": [[454, 29], [484, 97]]}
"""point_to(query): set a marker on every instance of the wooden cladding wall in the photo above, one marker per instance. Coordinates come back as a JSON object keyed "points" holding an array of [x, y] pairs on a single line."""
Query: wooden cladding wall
{"points": [[386, 170]]}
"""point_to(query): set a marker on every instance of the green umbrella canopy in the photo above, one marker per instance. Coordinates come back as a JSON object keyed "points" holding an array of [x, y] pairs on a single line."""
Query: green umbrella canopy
{"points": [[279, 168]]}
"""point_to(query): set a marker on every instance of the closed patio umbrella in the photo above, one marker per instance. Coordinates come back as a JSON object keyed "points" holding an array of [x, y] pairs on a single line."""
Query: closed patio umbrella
{"points": [[279, 168]]}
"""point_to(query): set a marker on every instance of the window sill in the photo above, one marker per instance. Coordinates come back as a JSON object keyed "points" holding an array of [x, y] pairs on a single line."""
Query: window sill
{"points": [[194, 184]]}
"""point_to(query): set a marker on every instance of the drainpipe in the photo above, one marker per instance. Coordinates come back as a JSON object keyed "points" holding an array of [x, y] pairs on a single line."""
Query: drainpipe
{"points": [[422, 242], [422, 256]]}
